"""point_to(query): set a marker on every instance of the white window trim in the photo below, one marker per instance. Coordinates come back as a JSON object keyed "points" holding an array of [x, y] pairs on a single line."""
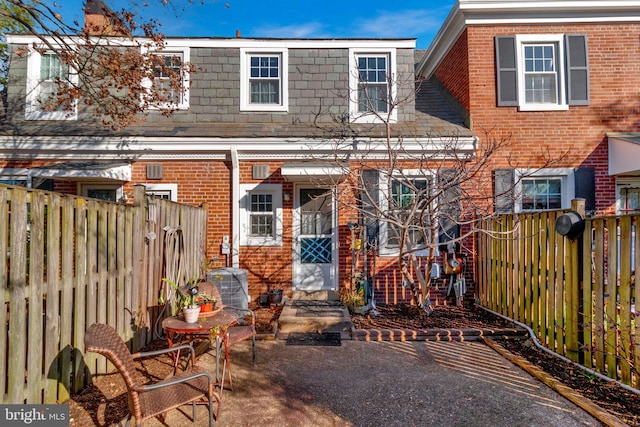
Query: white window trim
{"points": [[185, 51], [84, 187], [245, 92], [171, 188], [567, 189], [17, 174], [245, 222], [369, 117], [558, 40], [630, 182], [383, 226], [32, 110]]}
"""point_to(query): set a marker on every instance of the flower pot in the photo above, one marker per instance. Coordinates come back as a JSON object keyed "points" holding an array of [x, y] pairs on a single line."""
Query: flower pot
{"points": [[263, 299], [191, 314], [275, 296], [206, 307]]}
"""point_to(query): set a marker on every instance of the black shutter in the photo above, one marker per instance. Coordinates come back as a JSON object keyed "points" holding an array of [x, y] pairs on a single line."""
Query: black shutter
{"points": [[585, 180], [577, 69], [448, 208], [503, 181], [506, 71], [369, 200]]}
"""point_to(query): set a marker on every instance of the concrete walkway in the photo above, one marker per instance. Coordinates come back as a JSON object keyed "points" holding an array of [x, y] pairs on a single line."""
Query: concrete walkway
{"points": [[382, 384]]}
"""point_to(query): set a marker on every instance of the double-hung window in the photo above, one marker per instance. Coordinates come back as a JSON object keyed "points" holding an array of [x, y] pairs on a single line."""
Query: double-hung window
{"points": [[371, 85], [167, 80], [408, 208], [46, 73], [540, 72], [261, 215], [170, 78], [263, 80]]}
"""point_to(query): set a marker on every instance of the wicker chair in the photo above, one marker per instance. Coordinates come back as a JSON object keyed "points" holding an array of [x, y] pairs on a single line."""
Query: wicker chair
{"points": [[150, 400]]}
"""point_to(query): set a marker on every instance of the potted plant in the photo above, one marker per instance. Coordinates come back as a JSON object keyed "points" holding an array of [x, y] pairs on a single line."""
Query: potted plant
{"points": [[206, 302], [186, 300], [275, 294], [192, 310]]}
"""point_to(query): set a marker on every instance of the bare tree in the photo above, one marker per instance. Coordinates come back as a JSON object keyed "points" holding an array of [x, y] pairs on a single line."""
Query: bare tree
{"points": [[418, 197], [109, 64]]}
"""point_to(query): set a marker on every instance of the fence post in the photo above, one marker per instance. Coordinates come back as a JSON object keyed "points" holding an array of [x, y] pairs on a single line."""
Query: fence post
{"points": [[572, 287]]}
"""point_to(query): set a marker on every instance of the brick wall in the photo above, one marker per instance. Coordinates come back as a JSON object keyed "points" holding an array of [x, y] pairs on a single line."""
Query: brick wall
{"points": [[573, 138]]}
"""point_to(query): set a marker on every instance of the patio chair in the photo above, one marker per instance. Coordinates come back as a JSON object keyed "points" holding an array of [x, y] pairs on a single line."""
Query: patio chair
{"points": [[150, 400], [243, 331]]}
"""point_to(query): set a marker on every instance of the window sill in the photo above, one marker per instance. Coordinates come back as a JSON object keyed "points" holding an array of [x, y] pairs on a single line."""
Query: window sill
{"points": [[543, 107]]}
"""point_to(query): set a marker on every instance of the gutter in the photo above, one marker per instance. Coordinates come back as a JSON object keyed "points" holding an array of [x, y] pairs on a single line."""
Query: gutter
{"points": [[235, 208]]}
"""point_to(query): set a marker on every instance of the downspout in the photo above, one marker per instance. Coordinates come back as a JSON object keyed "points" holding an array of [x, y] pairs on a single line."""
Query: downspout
{"points": [[235, 208], [546, 350]]}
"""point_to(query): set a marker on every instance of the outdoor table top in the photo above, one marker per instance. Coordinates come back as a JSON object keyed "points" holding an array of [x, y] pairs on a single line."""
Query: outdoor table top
{"points": [[204, 325]]}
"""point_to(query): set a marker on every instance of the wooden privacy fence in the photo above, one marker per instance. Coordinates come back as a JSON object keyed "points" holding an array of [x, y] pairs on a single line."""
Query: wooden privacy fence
{"points": [[72, 262], [579, 297]]}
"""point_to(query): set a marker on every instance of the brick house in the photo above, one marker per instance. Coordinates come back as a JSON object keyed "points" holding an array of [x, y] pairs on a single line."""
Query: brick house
{"points": [[254, 136], [561, 79]]}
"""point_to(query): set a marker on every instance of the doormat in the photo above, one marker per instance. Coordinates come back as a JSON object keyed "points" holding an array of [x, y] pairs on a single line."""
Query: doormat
{"points": [[314, 338]]}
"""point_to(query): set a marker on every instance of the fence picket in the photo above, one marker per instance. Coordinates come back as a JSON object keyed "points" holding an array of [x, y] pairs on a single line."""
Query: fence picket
{"points": [[36, 291], [71, 262], [580, 306], [17, 299], [624, 307], [4, 282]]}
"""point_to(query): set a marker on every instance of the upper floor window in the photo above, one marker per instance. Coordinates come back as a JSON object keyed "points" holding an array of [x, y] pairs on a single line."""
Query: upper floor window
{"points": [[165, 72], [263, 80], [372, 86], [46, 73], [170, 78], [542, 72]]}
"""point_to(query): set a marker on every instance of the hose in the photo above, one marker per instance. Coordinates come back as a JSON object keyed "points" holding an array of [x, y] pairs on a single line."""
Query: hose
{"points": [[561, 357]]}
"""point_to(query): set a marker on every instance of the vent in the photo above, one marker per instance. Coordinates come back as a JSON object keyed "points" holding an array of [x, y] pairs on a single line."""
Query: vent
{"points": [[260, 171], [154, 171], [233, 286]]}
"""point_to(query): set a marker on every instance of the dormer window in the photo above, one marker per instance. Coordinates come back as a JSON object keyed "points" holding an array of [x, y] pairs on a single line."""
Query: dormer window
{"points": [[264, 80], [45, 74], [372, 86]]}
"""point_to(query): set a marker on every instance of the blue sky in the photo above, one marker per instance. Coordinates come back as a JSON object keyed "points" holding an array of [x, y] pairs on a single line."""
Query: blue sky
{"points": [[418, 19]]}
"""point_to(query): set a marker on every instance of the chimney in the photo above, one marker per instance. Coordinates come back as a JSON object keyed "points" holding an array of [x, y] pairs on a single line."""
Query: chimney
{"points": [[99, 20], [237, 34]]}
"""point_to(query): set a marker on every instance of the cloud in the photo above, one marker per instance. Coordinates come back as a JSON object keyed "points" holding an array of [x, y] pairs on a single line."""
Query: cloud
{"points": [[393, 24], [306, 30]]}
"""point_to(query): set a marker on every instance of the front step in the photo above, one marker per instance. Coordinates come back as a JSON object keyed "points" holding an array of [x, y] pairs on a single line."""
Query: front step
{"points": [[304, 314]]}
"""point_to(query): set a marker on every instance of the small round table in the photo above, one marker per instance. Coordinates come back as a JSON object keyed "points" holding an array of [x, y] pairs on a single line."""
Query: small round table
{"points": [[212, 324]]}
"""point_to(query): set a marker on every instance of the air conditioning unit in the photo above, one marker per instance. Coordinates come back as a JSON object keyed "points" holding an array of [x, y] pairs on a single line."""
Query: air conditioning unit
{"points": [[233, 285]]}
